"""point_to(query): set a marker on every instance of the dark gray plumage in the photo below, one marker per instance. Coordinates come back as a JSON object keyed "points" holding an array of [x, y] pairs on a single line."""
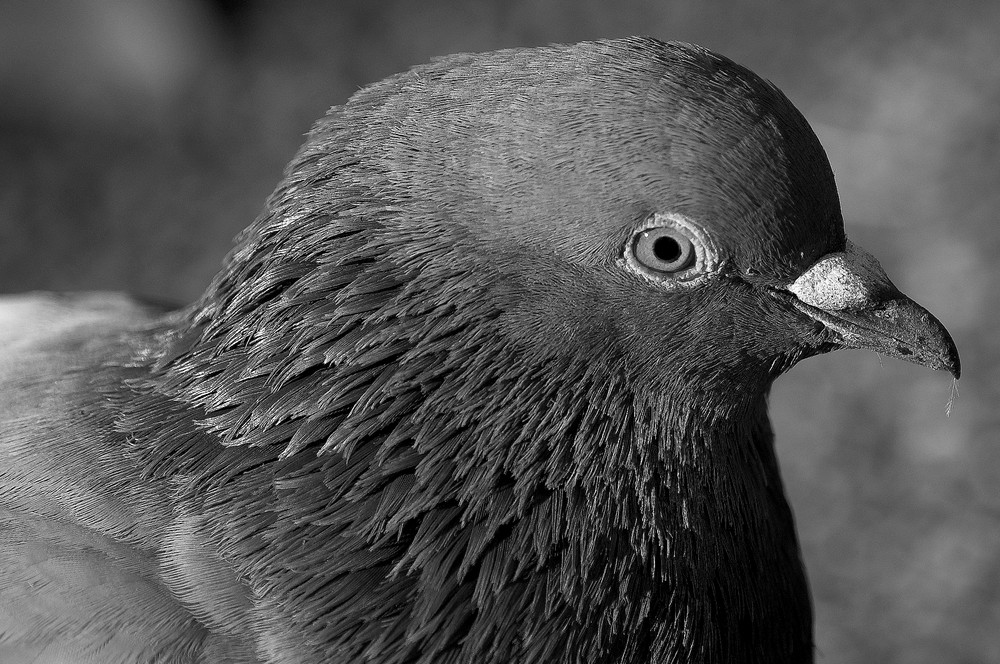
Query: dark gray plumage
{"points": [[485, 382]]}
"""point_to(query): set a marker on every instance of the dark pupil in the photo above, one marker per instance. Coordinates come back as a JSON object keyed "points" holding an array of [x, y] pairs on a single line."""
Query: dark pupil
{"points": [[666, 249]]}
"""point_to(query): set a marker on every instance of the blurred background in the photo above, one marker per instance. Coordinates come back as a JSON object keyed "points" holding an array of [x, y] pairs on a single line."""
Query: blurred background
{"points": [[137, 137]]}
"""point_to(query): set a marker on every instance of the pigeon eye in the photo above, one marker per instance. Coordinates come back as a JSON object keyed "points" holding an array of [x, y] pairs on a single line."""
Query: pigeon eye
{"points": [[672, 251], [664, 250]]}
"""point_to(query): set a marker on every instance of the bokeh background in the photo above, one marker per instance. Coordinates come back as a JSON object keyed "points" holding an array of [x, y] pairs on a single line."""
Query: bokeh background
{"points": [[138, 137]]}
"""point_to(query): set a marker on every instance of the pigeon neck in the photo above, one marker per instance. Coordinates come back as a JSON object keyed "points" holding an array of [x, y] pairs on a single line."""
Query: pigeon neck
{"points": [[684, 544], [493, 499]]}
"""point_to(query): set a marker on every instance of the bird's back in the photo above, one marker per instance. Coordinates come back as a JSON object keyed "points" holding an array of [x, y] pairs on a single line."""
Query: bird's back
{"points": [[79, 530]]}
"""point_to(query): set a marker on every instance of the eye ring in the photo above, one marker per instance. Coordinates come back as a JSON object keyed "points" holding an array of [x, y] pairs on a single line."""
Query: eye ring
{"points": [[672, 251]]}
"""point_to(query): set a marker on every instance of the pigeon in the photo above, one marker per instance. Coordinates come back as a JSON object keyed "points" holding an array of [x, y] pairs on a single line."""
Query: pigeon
{"points": [[486, 381]]}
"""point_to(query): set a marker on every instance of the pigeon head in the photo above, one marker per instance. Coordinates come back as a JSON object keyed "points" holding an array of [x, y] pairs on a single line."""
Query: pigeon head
{"points": [[500, 345], [634, 208], [655, 208]]}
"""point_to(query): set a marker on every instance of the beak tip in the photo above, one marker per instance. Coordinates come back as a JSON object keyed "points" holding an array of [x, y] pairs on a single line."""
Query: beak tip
{"points": [[937, 349], [952, 363]]}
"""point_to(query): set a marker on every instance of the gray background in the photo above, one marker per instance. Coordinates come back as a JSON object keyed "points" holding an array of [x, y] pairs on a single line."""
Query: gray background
{"points": [[137, 138]]}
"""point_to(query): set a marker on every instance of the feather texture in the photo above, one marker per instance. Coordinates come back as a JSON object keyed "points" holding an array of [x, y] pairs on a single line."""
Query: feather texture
{"points": [[425, 413]]}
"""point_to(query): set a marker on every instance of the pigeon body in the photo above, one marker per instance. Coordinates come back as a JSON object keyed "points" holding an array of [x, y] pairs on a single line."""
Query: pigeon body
{"points": [[485, 382]]}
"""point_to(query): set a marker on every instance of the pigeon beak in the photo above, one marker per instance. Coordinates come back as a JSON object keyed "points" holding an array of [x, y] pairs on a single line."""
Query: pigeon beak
{"points": [[850, 294]]}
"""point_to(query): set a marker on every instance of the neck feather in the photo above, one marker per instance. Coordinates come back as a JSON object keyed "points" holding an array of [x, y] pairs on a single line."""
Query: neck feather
{"points": [[478, 499]]}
